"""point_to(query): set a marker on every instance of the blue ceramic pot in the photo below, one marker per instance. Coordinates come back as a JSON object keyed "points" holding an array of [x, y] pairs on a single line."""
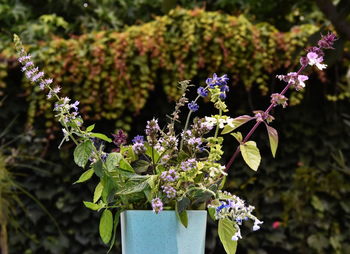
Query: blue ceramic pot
{"points": [[144, 232]]}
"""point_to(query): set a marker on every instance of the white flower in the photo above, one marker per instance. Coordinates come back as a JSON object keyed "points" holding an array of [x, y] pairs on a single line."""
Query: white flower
{"points": [[229, 122], [301, 79]]}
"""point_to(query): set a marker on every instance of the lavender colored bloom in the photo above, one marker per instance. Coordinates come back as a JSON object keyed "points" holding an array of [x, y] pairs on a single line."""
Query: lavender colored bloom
{"points": [[22, 59], [75, 105], [37, 76], [138, 144], [32, 72], [316, 59], [217, 81], [169, 176], [56, 90], [27, 65], [224, 88], [188, 164], [193, 106], [169, 191], [202, 92], [157, 205], [138, 139]]}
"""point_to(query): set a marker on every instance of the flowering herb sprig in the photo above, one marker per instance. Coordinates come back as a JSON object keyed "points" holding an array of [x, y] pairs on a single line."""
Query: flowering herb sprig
{"points": [[162, 169]]}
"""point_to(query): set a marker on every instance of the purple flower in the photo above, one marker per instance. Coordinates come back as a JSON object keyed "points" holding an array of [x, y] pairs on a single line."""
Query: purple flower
{"points": [[193, 106], [217, 81], [138, 144], [37, 76], [222, 96], [119, 138], [75, 105], [327, 41], [316, 59], [202, 92], [157, 205], [169, 176], [169, 191], [188, 164]]}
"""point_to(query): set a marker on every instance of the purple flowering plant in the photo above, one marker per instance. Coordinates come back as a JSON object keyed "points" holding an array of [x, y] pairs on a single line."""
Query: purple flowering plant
{"points": [[165, 170]]}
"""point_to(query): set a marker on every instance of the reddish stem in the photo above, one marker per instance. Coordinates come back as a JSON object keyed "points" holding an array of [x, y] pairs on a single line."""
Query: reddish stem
{"points": [[250, 133]]}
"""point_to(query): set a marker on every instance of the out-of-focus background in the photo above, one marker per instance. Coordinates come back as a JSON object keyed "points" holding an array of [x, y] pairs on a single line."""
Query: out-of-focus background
{"points": [[122, 60]]}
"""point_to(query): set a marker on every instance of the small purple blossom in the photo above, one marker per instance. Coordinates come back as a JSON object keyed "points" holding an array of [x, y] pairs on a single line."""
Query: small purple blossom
{"points": [[138, 144], [202, 92], [119, 138], [188, 164], [222, 96], [217, 81], [327, 41], [56, 90], [157, 205], [169, 176], [169, 191], [23, 59], [75, 105], [37, 76], [193, 106]]}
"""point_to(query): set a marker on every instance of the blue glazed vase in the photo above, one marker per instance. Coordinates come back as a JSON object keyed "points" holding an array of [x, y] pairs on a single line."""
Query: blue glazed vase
{"points": [[145, 232]]}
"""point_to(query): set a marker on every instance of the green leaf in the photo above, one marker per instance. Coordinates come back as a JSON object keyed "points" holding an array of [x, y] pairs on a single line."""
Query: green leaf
{"points": [[82, 153], [140, 166], [92, 206], [211, 211], [113, 160], [98, 192], [183, 204], [106, 226], [85, 176], [115, 224], [237, 122], [251, 154], [273, 138], [138, 187], [125, 165], [226, 230], [90, 128], [101, 136], [317, 203], [183, 218], [149, 153], [98, 168], [238, 136], [108, 188]]}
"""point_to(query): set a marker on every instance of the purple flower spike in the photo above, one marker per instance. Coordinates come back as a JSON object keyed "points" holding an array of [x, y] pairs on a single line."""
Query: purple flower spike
{"points": [[202, 92], [193, 106]]}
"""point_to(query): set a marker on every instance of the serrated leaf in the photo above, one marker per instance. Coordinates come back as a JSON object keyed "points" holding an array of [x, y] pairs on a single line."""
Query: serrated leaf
{"points": [[236, 122], [92, 206], [113, 160], [101, 136], [226, 230], [273, 138], [90, 128], [82, 153], [106, 226], [98, 192], [85, 176], [251, 154]]}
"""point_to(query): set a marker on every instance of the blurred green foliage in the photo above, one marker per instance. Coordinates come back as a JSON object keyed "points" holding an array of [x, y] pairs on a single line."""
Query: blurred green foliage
{"points": [[95, 67], [124, 70]]}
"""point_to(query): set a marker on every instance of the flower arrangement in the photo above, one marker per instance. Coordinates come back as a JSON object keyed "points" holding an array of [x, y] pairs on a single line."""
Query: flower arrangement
{"points": [[167, 170]]}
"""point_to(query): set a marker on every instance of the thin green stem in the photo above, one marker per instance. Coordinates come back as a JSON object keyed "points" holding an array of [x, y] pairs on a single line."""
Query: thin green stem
{"points": [[217, 126]]}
